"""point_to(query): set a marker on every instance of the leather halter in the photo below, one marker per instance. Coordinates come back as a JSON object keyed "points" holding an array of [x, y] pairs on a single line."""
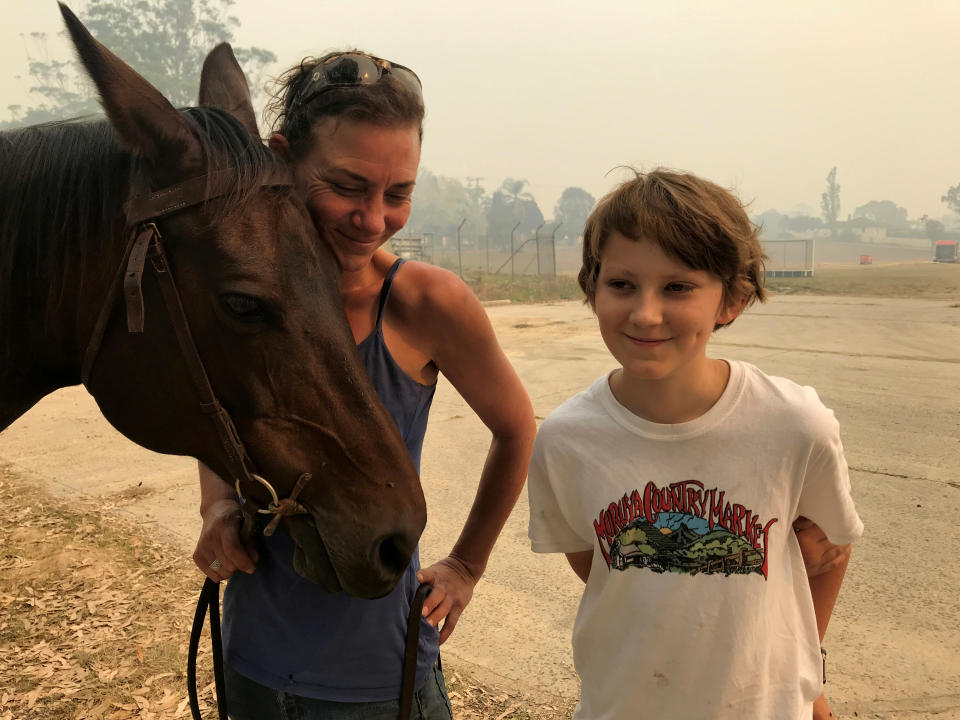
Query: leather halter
{"points": [[142, 212]]}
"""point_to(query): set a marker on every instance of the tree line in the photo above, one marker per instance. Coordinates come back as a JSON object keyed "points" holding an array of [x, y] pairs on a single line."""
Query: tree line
{"points": [[167, 41], [884, 213], [442, 204]]}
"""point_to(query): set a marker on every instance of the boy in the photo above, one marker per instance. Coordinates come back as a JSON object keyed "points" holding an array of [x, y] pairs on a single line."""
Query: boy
{"points": [[671, 484]]}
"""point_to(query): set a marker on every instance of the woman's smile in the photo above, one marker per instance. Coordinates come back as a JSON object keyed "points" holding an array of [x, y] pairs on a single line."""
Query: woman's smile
{"points": [[361, 241]]}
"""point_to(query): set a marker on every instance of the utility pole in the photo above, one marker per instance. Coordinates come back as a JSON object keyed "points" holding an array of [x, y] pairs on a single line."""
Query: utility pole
{"points": [[459, 256]]}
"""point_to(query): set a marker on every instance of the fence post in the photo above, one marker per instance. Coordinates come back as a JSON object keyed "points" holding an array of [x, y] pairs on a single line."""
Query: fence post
{"points": [[512, 251], [537, 237], [459, 256], [553, 247]]}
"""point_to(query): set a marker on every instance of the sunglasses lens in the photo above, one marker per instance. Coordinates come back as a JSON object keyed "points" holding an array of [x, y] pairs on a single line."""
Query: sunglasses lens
{"points": [[408, 78], [352, 70]]}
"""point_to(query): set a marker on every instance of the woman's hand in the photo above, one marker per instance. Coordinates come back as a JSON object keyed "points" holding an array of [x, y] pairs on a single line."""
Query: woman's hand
{"points": [[819, 554], [220, 543], [451, 589]]}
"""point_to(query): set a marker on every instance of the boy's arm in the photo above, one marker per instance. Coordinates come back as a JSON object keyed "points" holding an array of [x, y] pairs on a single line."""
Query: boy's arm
{"points": [[581, 562], [824, 588], [819, 554]]}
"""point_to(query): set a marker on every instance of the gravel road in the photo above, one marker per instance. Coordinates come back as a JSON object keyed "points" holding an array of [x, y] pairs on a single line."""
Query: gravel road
{"points": [[889, 368]]}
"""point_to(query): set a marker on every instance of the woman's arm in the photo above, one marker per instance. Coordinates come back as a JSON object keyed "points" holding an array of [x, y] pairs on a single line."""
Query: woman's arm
{"points": [[463, 346], [220, 535]]}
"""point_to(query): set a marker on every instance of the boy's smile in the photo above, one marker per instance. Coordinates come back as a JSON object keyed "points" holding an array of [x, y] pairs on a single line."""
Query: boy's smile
{"points": [[656, 314]]}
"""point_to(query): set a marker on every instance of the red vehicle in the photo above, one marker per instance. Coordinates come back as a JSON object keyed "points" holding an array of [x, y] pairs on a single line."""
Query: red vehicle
{"points": [[946, 251]]}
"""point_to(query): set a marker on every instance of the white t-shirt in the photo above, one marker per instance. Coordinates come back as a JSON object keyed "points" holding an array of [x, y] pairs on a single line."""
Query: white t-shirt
{"points": [[698, 604]]}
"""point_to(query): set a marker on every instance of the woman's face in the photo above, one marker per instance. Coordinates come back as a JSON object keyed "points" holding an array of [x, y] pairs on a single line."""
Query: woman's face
{"points": [[357, 180]]}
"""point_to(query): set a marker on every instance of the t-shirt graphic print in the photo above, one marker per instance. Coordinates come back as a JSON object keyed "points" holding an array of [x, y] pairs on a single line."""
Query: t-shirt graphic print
{"points": [[685, 528]]}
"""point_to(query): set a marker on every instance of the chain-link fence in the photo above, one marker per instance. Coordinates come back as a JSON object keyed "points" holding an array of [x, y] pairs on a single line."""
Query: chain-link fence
{"points": [[530, 253]]}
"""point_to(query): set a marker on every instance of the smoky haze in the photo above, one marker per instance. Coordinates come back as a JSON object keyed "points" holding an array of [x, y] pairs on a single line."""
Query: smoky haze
{"points": [[762, 97]]}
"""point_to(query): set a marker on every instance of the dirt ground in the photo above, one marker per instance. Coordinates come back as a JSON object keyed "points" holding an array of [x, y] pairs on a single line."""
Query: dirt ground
{"points": [[890, 370], [95, 616]]}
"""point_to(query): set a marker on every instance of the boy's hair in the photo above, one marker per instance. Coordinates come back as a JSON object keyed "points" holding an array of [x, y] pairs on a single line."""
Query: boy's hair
{"points": [[693, 220]]}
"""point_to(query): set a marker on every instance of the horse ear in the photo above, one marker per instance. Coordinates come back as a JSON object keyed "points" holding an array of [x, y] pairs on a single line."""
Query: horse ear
{"points": [[223, 85], [145, 120]]}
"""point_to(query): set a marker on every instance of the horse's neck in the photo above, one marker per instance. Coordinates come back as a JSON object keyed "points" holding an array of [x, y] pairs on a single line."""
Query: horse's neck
{"points": [[49, 326]]}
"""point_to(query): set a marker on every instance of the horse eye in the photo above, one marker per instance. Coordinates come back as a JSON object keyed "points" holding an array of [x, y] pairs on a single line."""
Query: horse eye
{"points": [[244, 307]]}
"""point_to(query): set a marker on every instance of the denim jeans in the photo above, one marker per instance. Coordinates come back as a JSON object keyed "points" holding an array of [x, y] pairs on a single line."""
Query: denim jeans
{"points": [[248, 700]]}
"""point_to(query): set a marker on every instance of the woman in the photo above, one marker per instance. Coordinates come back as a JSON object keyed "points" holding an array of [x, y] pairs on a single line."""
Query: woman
{"points": [[351, 126]]}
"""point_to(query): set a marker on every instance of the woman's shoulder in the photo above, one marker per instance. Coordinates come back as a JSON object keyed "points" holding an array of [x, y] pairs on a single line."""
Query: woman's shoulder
{"points": [[437, 312], [432, 292]]}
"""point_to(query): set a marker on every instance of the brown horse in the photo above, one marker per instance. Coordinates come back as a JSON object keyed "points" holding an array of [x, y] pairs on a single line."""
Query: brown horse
{"points": [[259, 291]]}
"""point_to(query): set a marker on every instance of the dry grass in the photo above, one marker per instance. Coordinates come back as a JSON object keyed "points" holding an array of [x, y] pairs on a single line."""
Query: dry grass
{"points": [[524, 288], [95, 618], [923, 280]]}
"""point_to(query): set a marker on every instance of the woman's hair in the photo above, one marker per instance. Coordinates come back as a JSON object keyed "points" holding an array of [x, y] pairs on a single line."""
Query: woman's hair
{"points": [[388, 102], [693, 220]]}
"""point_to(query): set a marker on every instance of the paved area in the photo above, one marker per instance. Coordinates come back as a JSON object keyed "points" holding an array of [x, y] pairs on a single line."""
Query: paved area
{"points": [[889, 368]]}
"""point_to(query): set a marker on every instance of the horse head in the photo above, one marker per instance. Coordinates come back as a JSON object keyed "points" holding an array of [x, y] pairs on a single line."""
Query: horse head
{"points": [[260, 292]]}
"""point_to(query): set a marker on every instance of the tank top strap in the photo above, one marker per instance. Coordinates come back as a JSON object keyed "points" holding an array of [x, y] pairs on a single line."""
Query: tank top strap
{"points": [[385, 289]]}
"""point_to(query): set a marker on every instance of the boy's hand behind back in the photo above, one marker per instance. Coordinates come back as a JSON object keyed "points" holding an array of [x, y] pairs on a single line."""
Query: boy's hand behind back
{"points": [[819, 554], [821, 709]]}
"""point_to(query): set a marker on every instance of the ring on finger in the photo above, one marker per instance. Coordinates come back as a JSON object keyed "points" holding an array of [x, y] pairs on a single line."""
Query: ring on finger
{"points": [[216, 564]]}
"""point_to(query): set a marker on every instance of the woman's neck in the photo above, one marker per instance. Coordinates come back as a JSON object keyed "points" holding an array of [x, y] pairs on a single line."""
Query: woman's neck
{"points": [[366, 278]]}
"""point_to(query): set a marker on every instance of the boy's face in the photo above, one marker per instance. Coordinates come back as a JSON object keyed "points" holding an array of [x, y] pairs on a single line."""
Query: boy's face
{"points": [[655, 313]]}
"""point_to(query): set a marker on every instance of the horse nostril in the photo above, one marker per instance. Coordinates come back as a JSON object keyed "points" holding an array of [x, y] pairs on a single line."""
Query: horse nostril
{"points": [[392, 556]]}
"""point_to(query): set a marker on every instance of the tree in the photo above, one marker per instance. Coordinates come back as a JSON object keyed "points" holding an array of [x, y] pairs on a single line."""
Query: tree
{"points": [[508, 206], [802, 223], [572, 210], [885, 212], [440, 204], [830, 202], [771, 223], [952, 198], [166, 41], [934, 230]]}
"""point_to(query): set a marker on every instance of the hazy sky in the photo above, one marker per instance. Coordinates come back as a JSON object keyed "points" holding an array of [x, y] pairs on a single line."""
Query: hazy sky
{"points": [[761, 96]]}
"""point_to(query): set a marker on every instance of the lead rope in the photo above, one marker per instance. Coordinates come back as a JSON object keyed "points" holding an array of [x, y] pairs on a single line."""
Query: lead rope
{"points": [[210, 600], [408, 681]]}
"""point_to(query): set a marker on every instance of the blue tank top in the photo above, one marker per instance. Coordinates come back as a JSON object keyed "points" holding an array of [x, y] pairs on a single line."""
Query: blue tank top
{"points": [[284, 632]]}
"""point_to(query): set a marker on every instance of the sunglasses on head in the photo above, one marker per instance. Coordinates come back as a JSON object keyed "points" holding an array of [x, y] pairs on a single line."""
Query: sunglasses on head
{"points": [[353, 69]]}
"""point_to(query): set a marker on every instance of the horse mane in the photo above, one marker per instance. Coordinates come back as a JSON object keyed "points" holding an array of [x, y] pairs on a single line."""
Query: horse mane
{"points": [[62, 189]]}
